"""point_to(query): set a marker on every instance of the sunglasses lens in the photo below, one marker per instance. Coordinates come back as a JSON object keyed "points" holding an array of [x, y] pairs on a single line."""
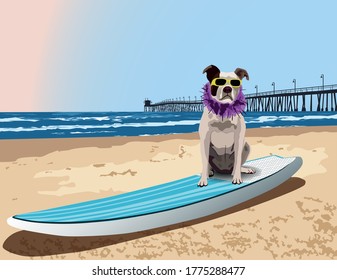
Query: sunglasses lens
{"points": [[220, 82], [235, 83]]}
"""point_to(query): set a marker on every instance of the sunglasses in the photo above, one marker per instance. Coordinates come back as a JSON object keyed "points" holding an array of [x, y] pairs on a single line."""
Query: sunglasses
{"points": [[222, 81]]}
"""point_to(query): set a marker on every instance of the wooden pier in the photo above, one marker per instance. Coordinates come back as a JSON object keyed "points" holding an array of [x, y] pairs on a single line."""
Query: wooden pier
{"points": [[173, 106], [317, 98], [302, 99]]}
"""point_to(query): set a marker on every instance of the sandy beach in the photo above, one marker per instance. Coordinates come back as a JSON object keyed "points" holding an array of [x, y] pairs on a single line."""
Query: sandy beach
{"points": [[297, 220]]}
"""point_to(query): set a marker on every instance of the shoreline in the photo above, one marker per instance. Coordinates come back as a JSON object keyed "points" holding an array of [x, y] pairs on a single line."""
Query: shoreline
{"points": [[11, 149], [296, 221]]}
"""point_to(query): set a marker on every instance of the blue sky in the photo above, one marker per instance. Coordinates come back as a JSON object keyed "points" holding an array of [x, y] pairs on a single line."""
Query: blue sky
{"points": [[110, 55]]}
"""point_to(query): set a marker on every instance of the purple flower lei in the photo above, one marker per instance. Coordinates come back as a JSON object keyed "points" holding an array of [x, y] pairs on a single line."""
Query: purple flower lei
{"points": [[224, 110]]}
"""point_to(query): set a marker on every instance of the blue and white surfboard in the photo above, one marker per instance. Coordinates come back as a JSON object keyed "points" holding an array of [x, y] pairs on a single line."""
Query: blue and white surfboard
{"points": [[165, 204]]}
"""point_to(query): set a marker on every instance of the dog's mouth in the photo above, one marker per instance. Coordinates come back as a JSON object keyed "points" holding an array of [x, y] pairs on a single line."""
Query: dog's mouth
{"points": [[226, 97]]}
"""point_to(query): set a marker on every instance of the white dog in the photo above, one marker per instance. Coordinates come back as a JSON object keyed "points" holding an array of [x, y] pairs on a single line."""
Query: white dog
{"points": [[222, 126]]}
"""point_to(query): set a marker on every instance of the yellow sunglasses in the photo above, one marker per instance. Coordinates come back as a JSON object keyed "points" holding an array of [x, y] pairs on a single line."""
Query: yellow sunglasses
{"points": [[222, 81]]}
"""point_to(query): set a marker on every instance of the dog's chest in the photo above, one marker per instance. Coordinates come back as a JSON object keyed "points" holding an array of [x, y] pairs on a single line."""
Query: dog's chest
{"points": [[223, 132], [221, 126], [226, 125]]}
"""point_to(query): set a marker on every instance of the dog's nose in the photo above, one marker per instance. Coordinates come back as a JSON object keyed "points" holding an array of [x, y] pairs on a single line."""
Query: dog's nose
{"points": [[227, 89]]}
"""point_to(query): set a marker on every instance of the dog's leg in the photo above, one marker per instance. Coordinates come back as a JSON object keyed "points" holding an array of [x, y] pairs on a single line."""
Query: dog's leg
{"points": [[238, 150], [205, 141], [245, 154], [210, 171], [237, 165]]}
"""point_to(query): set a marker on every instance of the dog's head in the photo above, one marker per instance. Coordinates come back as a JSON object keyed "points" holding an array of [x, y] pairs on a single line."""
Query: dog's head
{"points": [[225, 85]]}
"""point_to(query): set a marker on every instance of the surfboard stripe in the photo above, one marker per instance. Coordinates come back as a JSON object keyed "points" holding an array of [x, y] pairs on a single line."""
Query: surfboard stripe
{"points": [[144, 200], [117, 200], [152, 207], [181, 183], [160, 203]]}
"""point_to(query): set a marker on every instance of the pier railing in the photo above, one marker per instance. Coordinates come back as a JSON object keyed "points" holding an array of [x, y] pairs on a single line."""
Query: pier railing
{"points": [[174, 106], [307, 90]]}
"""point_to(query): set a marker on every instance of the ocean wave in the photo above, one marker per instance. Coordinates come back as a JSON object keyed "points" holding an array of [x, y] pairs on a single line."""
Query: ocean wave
{"points": [[291, 118], [52, 127], [263, 119], [158, 116], [73, 119], [104, 126], [16, 119], [91, 124], [124, 117], [156, 124], [309, 117], [92, 132]]}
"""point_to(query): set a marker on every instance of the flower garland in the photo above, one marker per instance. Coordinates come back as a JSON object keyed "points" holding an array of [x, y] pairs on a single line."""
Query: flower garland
{"points": [[225, 110]]}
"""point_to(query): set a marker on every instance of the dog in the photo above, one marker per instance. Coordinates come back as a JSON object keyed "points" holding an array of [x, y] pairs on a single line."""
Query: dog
{"points": [[222, 125]]}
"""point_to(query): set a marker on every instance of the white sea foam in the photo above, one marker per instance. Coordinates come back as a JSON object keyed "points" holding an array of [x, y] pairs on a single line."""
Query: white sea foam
{"points": [[263, 119], [51, 127], [106, 118], [156, 124], [123, 117], [309, 117], [91, 132], [15, 119], [104, 126], [72, 119]]}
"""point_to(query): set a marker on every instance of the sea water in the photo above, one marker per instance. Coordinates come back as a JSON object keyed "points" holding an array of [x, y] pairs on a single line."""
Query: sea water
{"points": [[106, 124]]}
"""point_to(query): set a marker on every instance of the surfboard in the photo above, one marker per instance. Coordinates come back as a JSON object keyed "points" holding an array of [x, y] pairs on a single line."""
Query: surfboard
{"points": [[161, 205]]}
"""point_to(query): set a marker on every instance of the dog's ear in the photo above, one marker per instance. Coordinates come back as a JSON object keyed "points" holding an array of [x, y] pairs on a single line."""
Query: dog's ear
{"points": [[241, 73], [212, 72]]}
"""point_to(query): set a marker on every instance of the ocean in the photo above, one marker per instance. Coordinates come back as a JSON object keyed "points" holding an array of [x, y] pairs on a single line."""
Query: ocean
{"points": [[34, 125]]}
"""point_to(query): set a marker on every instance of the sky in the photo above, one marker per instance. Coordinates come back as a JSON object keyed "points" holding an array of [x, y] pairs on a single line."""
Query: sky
{"points": [[100, 55]]}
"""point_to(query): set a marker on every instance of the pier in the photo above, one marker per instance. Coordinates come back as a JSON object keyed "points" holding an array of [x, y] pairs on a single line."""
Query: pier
{"points": [[316, 98], [174, 106]]}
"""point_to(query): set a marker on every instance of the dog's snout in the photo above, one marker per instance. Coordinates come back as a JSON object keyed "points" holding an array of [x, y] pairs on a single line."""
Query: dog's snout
{"points": [[227, 89]]}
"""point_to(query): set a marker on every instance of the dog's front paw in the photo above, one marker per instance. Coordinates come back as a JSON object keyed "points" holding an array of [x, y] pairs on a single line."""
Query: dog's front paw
{"points": [[247, 170], [203, 182], [237, 180]]}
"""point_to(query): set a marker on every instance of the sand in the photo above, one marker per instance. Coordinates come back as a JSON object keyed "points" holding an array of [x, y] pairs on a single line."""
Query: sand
{"points": [[297, 220]]}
